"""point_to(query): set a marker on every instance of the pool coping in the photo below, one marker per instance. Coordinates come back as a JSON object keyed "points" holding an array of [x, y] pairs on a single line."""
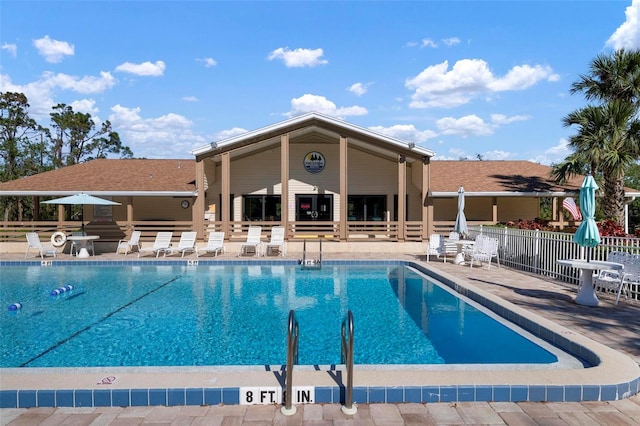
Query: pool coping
{"points": [[614, 375]]}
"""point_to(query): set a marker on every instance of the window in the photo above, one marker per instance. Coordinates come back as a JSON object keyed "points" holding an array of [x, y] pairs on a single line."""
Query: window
{"points": [[367, 207], [262, 207]]}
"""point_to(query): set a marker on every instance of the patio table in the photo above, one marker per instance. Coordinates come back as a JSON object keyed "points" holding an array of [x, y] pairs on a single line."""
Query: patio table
{"points": [[82, 241], [459, 259], [587, 293]]}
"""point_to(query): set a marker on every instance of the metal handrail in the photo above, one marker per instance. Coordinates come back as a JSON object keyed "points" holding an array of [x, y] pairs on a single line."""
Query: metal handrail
{"points": [[347, 359], [292, 358]]}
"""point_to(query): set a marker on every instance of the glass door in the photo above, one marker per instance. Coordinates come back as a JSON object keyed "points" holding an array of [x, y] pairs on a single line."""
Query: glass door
{"points": [[314, 207]]}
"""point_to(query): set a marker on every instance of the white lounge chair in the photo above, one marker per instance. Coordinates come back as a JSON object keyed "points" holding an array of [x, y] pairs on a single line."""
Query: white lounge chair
{"points": [[186, 244], [128, 245], [44, 249], [162, 243], [450, 246], [215, 244], [484, 251], [277, 242], [436, 246], [253, 243]]}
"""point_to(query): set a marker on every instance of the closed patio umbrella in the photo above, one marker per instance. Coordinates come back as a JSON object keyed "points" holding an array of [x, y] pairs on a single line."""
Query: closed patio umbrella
{"points": [[82, 199], [587, 234], [461, 221]]}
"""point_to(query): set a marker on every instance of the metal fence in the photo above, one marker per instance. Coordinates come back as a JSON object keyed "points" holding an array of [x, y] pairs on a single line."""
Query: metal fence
{"points": [[537, 251]]}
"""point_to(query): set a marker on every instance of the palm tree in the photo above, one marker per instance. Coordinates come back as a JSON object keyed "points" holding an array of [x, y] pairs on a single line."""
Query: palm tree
{"points": [[608, 138]]}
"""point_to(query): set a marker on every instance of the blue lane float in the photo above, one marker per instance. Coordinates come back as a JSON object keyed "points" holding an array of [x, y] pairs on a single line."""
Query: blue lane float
{"points": [[15, 306], [58, 291]]}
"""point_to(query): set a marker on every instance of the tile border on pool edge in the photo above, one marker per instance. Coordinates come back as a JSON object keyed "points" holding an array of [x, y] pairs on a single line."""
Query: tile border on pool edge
{"points": [[323, 395], [177, 396]]}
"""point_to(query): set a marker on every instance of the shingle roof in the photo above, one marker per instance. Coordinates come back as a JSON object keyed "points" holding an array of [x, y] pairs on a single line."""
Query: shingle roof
{"points": [[139, 176], [111, 175], [496, 176]]}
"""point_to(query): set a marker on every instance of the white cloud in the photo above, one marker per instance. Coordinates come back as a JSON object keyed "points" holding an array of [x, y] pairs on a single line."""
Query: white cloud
{"points": [[298, 57], [497, 154], [555, 154], [501, 119], [451, 41], [314, 103], [359, 89], [86, 106], [11, 48], [427, 42], [437, 86], [144, 69], [208, 62], [53, 50], [627, 35], [40, 93], [229, 133], [84, 85], [405, 132], [167, 136], [190, 99], [470, 125]]}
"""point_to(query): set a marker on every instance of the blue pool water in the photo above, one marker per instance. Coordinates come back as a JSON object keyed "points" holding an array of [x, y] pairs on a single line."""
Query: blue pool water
{"points": [[229, 314]]}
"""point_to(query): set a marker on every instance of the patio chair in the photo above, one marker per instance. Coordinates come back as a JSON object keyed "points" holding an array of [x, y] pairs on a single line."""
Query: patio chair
{"points": [[44, 249], [436, 247], [450, 247], [162, 243], [277, 242], [484, 251], [215, 244], [253, 242], [618, 282], [75, 245], [186, 244], [128, 245]]}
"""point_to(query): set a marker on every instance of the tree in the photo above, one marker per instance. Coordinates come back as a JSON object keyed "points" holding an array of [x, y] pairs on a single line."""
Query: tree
{"points": [[21, 144], [608, 138], [75, 138]]}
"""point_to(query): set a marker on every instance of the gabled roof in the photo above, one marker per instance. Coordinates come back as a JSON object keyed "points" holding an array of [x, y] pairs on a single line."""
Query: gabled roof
{"points": [[125, 177], [314, 122], [496, 178]]}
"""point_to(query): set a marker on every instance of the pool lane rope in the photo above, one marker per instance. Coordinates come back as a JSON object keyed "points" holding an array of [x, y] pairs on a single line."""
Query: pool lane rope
{"points": [[88, 327]]}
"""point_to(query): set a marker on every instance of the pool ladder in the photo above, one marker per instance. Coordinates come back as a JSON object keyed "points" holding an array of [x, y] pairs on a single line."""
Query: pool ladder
{"points": [[292, 358], [349, 407], [310, 263], [347, 359]]}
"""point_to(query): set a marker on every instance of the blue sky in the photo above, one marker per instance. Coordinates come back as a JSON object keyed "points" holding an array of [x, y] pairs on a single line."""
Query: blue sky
{"points": [[462, 78]]}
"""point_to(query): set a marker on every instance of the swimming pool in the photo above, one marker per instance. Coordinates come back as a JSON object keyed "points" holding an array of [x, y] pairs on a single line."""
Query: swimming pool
{"points": [[176, 315], [611, 375]]}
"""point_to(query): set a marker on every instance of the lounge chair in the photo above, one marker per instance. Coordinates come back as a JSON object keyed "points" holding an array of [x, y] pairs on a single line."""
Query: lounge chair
{"points": [[186, 244], [215, 244], [253, 242], [162, 243], [44, 249], [436, 246], [277, 242], [128, 245]]}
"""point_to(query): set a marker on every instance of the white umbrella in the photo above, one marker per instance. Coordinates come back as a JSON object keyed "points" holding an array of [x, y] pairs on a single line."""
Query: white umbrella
{"points": [[461, 221], [82, 199]]}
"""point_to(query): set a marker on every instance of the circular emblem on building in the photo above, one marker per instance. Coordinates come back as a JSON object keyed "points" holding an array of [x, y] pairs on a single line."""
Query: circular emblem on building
{"points": [[314, 162]]}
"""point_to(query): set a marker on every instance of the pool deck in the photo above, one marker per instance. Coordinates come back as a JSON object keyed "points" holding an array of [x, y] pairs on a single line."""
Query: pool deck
{"points": [[613, 326]]}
